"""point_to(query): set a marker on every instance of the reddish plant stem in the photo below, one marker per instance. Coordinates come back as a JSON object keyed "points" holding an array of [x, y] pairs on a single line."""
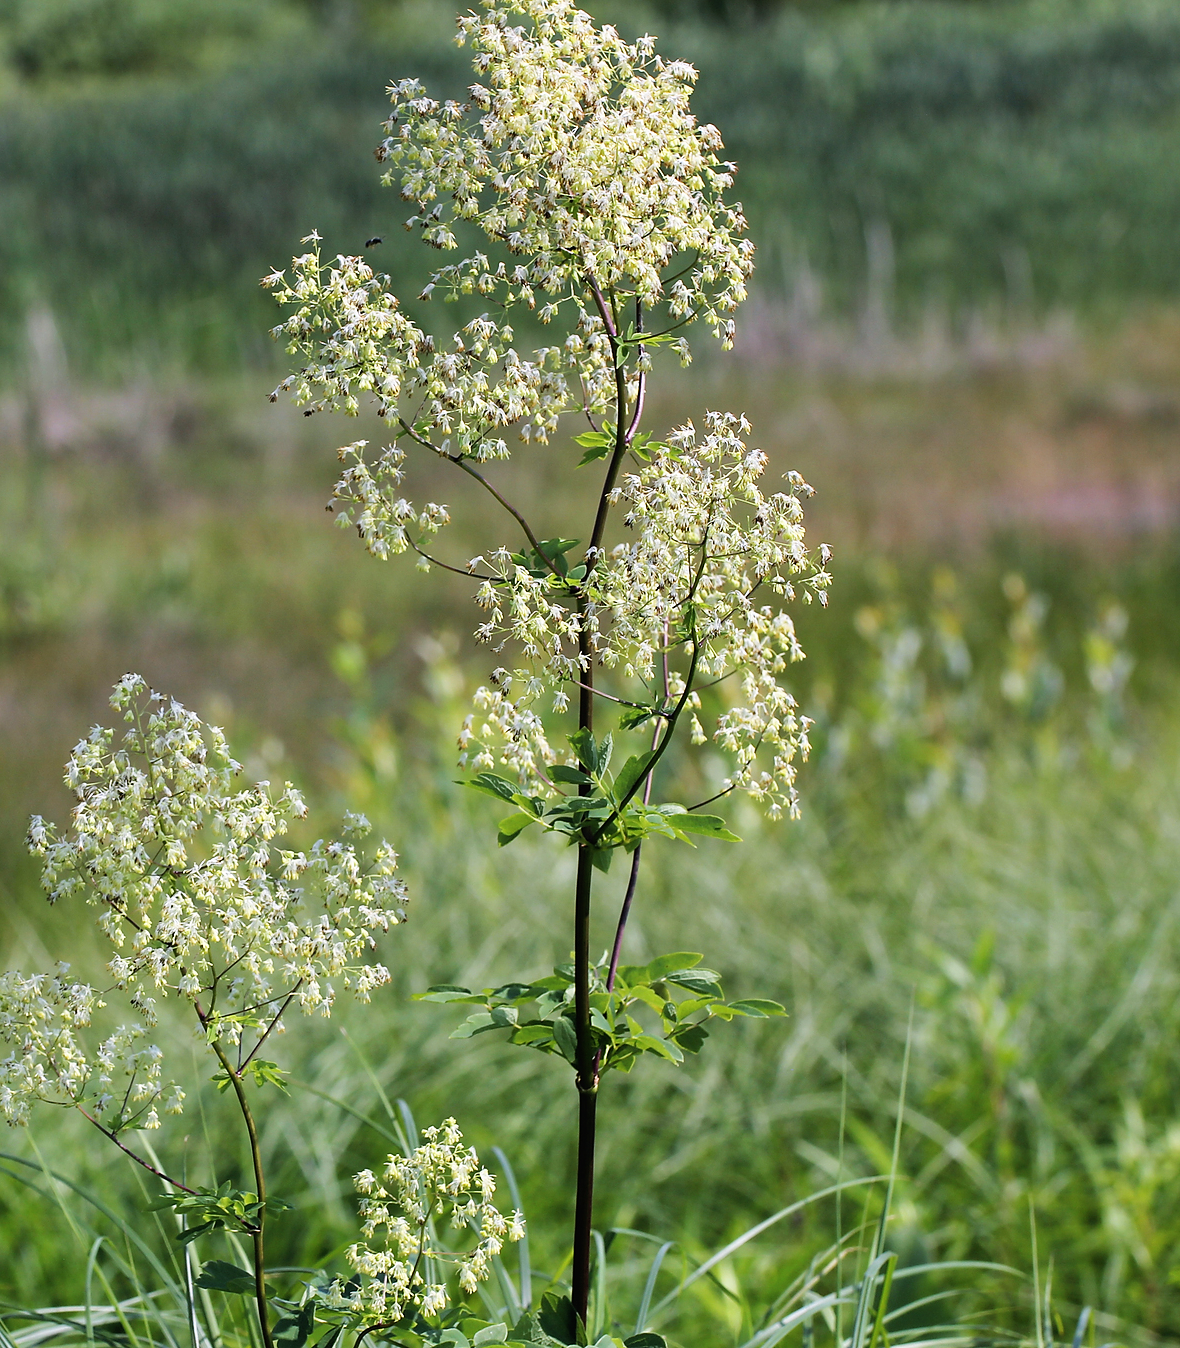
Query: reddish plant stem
{"points": [[151, 1169]]}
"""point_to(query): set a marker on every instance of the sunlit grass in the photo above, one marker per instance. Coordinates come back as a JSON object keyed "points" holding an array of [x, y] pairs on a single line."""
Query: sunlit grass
{"points": [[999, 870]]}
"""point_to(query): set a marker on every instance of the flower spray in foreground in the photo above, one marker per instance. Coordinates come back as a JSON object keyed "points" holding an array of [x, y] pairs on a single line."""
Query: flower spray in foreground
{"points": [[202, 905], [586, 201]]}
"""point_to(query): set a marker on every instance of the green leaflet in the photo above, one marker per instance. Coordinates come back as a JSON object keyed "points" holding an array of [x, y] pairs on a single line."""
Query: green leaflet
{"points": [[218, 1276]]}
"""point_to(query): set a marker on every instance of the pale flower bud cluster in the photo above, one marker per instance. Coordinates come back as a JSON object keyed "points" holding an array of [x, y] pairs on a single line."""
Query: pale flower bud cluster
{"points": [[577, 156], [42, 1017], [708, 544], [507, 729], [197, 897], [440, 1179]]}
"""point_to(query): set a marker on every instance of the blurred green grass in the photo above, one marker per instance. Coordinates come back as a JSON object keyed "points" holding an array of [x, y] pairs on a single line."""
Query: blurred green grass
{"points": [[991, 817], [990, 833], [898, 160]]}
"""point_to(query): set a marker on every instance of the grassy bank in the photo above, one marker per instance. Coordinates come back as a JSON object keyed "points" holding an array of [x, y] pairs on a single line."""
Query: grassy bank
{"points": [[988, 846]]}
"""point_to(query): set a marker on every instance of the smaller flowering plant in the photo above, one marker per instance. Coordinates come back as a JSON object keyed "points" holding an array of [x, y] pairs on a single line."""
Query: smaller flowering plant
{"points": [[194, 891], [204, 906], [401, 1265]]}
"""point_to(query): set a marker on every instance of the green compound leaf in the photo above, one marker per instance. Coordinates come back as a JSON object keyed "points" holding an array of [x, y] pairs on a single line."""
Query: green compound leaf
{"points": [[704, 982], [536, 1034], [557, 1319], [702, 825], [662, 1048], [691, 1038], [632, 772], [218, 1276], [594, 757], [561, 772], [491, 785], [601, 858], [663, 965], [596, 444], [566, 1038], [261, 1071], [636, 717], [547, 557]]}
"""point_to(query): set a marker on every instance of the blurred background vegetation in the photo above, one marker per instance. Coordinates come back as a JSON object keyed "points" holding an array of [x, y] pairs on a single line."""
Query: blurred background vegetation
{"points": [[965, 333]]}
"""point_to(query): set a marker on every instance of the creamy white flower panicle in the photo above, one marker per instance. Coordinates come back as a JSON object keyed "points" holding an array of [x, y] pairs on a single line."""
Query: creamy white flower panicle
{"points": [[198, 899], [440, 1179], [683, 598], [709, 546], [43, 1018], [602, 201], [577, 156]]}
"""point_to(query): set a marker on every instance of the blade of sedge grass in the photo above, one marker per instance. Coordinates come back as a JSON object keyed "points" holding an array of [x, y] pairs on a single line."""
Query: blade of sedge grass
{"points": [[865, 1297], [96, 1203], [51, 1179], [412, 1132], [883, 1301], [90, 1258], [522, 1249], [1079, 1333], [397, 1138], [120, 1311], [650, 1286], [773, 1333], [599, 1318], [901, 1094], [755, 1231], [512, 1307]]}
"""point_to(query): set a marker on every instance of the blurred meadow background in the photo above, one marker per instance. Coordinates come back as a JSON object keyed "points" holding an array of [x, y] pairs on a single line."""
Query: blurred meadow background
{"points": [[965, 333]]}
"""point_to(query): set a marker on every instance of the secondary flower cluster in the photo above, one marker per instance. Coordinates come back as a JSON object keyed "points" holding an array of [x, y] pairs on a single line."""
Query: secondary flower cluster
{"points": [[675, 606], [41, 1016], [441, 1178], [198, 901]]}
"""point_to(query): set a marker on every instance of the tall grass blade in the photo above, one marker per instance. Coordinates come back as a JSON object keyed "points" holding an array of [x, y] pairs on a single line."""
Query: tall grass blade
{"points": [[650, 1286], [598, 1317], [757, 1230], [1079, 1333], [395, 1135], [406, 1130], [167, 1281], [90, 1258], [526, 1272]]}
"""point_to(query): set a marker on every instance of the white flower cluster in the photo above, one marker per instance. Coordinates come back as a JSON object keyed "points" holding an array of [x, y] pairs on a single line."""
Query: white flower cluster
{"points": [[578, 157], [41, 1016], [197, 899], [680, 599], [441, 1178]]}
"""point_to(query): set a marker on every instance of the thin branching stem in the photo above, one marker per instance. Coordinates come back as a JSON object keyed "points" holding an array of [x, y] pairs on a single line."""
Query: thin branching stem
{"points": [[257, 1232], [139, 1160], [266, 1033]]}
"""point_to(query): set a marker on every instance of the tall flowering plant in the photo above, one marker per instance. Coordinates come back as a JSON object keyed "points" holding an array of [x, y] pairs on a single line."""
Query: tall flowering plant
{"points": [[589, 202]]}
